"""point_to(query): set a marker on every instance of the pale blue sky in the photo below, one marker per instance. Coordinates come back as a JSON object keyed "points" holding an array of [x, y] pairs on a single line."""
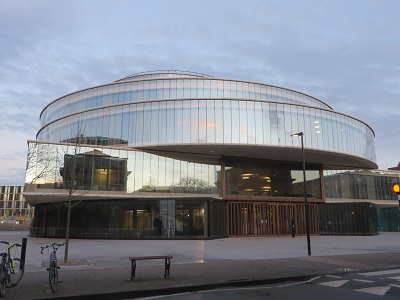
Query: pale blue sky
{"points": [[344, 52]]}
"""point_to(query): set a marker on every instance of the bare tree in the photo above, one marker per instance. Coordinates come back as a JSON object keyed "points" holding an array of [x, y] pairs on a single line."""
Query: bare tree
{"points": [[76, 167], [192, 185], [41, 161], [47, 162], [73, 173]]}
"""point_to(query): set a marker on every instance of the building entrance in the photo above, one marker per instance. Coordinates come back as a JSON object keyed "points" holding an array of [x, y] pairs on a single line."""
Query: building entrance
{"points": [[270, 219]]}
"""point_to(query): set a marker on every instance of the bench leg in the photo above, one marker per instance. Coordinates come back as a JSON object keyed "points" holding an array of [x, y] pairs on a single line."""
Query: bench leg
{"points": [[133, 269], [167, 266]]}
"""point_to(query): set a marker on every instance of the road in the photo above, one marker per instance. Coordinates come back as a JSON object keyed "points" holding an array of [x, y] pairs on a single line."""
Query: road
{"points": [[373, 285], [101, 267]]}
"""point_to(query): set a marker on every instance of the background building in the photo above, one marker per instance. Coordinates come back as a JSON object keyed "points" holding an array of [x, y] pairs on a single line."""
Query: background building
{"points": [[13, 207], [395, 168], [172, 154], [367, 189]]}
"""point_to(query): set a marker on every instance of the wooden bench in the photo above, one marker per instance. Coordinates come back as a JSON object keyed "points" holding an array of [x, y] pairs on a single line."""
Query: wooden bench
{"points": [[133, 260]]}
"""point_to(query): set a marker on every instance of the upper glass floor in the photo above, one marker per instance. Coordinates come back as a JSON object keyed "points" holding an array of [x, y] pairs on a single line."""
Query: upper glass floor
{"points": [[226, 122], [170, 89]]}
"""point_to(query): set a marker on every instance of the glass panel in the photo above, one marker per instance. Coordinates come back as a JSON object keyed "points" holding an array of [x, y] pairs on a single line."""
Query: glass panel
{"points": [[258, 123], [274, 121], [169, 127], [270, 179], [227, 88], [194, 121], [214, 89], [200, 89], [156, 123], [202, 120], [211, 124], [153, 90], [139, 123], [235, 122], [180, 87], [281, 125], [227, 121], [173, 89], [179, 126], [266, 123], [106, 127], [251, 125], [218, 122], [288, 124]]}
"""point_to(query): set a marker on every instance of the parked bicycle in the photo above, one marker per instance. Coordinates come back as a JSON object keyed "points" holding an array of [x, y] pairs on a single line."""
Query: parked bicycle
{"points": [[53, 267], [11, 268]]}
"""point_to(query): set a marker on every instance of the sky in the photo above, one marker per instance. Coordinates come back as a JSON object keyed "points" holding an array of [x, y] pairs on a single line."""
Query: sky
{"points": [[345, 52]]}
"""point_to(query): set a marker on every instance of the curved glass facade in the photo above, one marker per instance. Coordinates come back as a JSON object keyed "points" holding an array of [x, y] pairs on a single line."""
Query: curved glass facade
{"points": [[167, 108], [118, 171], [223, 122], [176, 135]]}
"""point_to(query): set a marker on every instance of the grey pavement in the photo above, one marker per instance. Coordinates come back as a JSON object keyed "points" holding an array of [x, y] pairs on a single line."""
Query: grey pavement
{"points": [[100, 269]]}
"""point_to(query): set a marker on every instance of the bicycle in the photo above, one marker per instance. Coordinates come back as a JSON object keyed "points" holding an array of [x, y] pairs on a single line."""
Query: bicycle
{"points": [[11, 268], [53, 267]]}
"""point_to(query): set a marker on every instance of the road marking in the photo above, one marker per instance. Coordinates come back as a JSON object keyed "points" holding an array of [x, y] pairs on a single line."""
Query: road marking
{"points": [[335, 283], [380, 273], [379, 290], [333, 276], [396, 278], [363, 280], [296, 283]]}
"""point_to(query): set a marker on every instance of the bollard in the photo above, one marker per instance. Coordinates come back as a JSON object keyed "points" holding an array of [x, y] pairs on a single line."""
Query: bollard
{"points": [[293, 229], [23, 252]]}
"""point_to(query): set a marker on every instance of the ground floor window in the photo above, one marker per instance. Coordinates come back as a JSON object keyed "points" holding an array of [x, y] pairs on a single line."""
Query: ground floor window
{"points": [[129, 219], [348, 218], [267, 179], [192, 218]]}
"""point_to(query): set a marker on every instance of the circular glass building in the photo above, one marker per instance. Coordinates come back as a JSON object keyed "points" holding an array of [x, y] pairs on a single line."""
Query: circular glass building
{"points": [[170, 154]]}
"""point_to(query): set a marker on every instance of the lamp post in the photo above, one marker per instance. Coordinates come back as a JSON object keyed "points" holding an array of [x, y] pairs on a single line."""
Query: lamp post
{"points": [[301, 134]]}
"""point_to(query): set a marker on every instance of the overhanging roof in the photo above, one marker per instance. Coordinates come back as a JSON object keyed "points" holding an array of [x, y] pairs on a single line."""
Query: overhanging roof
{"points": [[212, 153]]}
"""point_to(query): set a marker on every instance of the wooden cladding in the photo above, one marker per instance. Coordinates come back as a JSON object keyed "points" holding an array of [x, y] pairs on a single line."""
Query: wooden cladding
{"points": [[270, 219]]}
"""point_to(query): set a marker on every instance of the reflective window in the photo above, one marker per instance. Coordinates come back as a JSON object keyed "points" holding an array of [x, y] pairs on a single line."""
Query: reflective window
{"points": [[227, 121], [190, 122], [243, 122], [368, 185], [269, 179], [258, 123], [202, 121], [117, 170], [236, 122]]}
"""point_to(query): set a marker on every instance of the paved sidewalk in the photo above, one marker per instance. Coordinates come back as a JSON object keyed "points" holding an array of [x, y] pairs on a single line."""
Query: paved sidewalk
{"points": [[101, 267]]}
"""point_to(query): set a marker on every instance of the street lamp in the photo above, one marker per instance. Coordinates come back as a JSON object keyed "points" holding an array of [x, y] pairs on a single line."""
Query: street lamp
{"points": [[301, 134]]}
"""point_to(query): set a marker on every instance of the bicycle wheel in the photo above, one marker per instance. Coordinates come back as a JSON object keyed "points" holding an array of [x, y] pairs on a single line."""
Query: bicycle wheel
{"points": [[53, 276], [17, 272], [3, 279]]}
